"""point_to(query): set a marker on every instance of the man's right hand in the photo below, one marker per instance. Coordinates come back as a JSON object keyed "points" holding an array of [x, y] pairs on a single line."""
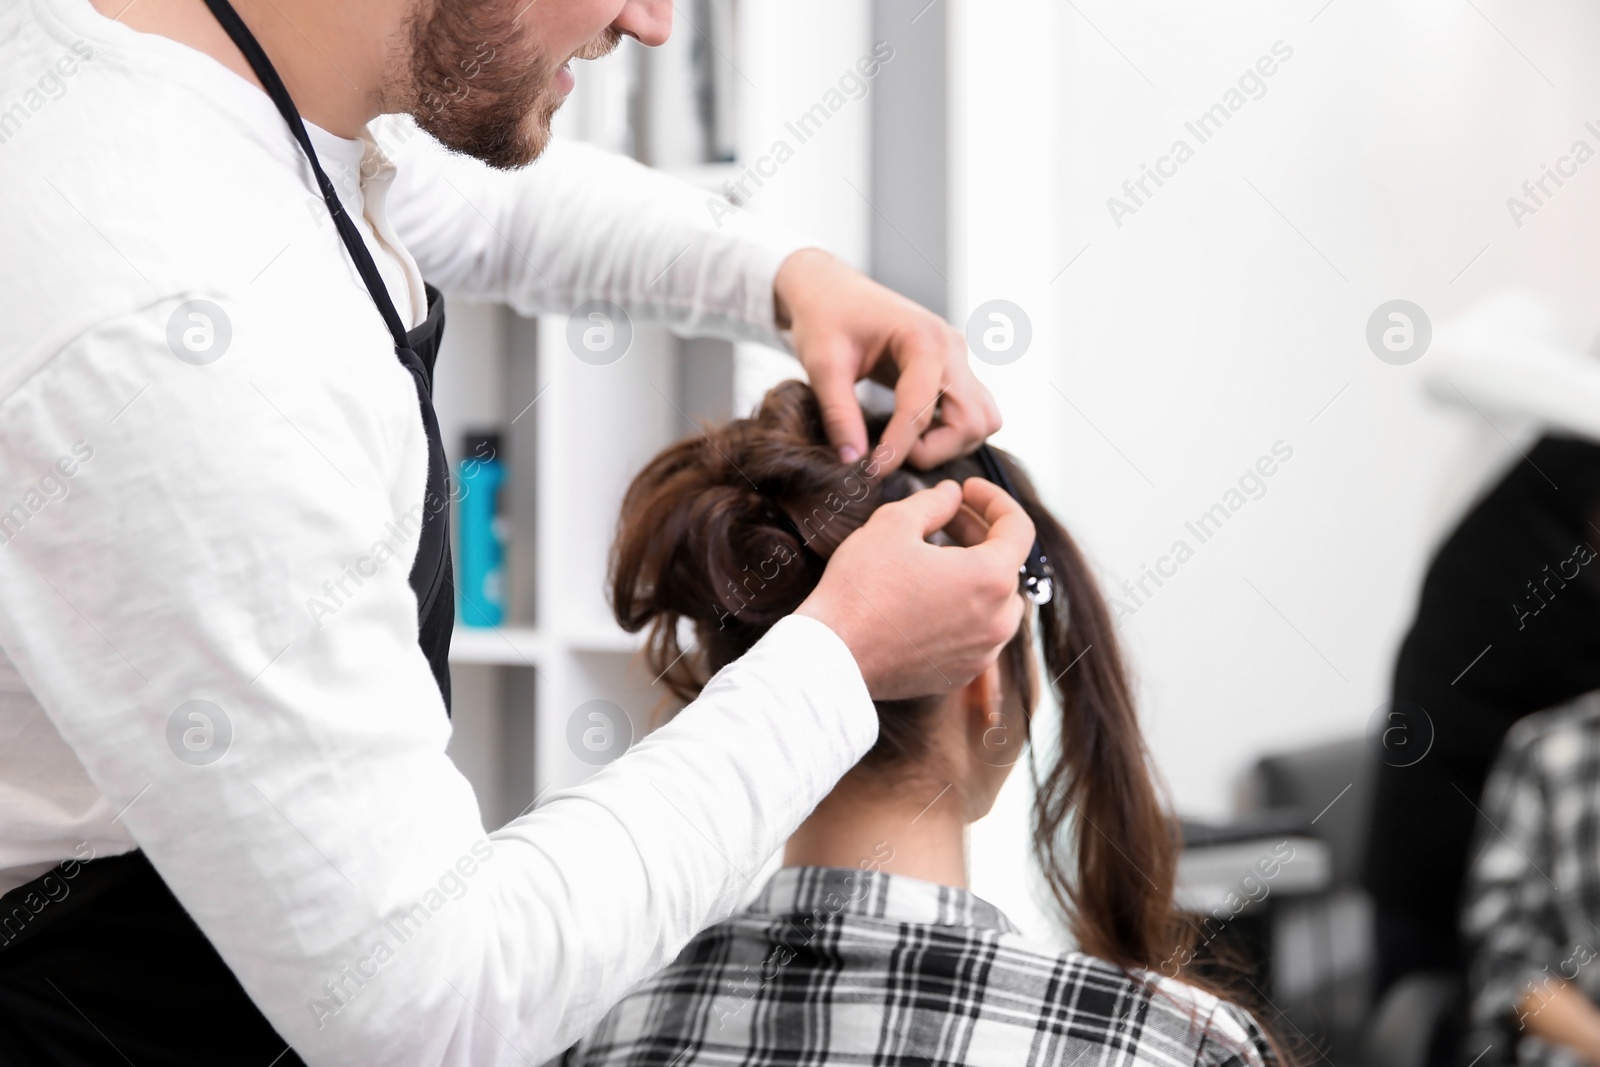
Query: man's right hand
{"points": [[923, 618]]}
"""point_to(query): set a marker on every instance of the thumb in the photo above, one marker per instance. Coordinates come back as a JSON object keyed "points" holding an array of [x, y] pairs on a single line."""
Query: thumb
{"points": [[929, 509], [833, 378]]}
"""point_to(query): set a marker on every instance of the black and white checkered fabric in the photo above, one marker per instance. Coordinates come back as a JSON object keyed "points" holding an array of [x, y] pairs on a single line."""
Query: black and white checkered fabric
{"points": [[1531, 913], [838, 966]]}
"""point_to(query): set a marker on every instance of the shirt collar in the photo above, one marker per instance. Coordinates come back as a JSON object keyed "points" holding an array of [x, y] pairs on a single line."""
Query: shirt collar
{"points": [[354, 164], [874, 894]]}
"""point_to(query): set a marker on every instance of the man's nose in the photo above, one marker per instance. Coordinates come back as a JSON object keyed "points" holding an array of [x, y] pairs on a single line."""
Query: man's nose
{"points": [[648, 20]]}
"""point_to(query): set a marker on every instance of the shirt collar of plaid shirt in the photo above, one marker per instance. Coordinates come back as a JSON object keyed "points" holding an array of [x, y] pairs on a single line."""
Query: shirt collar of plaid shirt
{"points": [[825, 892]]}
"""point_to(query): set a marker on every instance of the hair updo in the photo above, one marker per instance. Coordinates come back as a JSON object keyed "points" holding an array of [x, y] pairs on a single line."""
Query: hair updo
{"points": [[726, 532]]}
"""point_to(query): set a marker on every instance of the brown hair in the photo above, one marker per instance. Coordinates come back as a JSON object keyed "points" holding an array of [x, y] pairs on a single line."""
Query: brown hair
{"points": [[727, 532]]}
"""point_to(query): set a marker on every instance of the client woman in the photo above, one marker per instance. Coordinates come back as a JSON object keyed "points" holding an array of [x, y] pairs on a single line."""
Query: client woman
{"points": [[867, 947]]}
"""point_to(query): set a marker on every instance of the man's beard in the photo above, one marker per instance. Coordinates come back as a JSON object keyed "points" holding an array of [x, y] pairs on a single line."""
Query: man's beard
{"points": [[480, 87]]}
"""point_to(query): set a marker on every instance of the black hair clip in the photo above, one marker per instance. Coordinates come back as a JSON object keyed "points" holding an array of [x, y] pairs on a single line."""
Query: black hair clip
{"points": [[1038, 581]]}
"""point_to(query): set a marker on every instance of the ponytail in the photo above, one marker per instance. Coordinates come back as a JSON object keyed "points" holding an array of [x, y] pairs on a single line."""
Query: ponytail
{"points": [[705, 510]]}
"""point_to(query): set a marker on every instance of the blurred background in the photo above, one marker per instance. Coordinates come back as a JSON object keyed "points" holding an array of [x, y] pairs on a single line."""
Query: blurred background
{"points": [[1175, 330]]}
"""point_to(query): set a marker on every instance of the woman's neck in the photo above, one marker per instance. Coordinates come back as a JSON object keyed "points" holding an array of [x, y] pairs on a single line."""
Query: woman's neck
{"points": [[915, 828]]}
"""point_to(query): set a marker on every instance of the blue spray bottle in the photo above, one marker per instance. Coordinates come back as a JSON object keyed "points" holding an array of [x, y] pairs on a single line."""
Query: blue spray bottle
{"points": [[482, 584]]}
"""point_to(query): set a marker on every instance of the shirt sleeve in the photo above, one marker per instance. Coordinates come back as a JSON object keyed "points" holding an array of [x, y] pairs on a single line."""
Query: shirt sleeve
{"points": [[1509, 921], [232, 542], [581, 224]]}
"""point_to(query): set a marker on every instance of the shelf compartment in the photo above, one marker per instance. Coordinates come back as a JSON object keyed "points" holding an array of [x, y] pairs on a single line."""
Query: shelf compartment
{"points": [[510, 646]]}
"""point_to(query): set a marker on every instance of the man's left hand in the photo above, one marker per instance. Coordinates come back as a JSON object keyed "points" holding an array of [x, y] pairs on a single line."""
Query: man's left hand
{"points": [[847, 327]]}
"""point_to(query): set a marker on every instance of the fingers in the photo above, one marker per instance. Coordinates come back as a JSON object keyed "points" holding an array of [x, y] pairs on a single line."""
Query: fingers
{"points": [[942, 444], [833, 378], [1011, 532], [967, 528], [927, 510], [967, 415], [1010, 620], [922, 378], [1004, 546], [927, 364]]}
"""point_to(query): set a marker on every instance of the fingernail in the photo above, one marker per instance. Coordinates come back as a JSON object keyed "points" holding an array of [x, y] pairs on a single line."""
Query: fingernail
{"points": [[849, 453]]}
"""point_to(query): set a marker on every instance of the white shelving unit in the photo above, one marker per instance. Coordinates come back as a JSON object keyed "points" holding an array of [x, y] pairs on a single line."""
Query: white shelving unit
{"points": [[574, 434]]}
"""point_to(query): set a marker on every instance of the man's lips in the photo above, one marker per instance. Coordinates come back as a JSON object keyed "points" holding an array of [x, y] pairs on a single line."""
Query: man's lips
{"points": [[563, 79]]}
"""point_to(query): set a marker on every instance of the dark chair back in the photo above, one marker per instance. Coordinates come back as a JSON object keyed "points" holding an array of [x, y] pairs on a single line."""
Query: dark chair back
{"points": [[1331, 783]]}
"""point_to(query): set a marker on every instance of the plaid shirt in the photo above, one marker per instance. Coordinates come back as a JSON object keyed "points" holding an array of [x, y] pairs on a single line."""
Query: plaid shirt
{"points": [[837, 966], [1533, 891]]}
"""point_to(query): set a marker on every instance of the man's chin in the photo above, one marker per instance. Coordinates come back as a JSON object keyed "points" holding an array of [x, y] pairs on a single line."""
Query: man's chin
{"points": [[494, 141], [532, 138]]}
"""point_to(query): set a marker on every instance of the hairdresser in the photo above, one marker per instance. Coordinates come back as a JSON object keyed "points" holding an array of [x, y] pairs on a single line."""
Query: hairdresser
{"points": [[230, 833]]}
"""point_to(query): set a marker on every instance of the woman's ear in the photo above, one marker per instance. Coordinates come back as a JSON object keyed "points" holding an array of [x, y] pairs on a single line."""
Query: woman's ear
{"points": [[993, 738]]}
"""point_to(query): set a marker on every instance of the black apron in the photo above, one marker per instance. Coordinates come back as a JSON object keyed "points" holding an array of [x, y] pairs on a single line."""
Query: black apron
{"points": [[111, 968]]}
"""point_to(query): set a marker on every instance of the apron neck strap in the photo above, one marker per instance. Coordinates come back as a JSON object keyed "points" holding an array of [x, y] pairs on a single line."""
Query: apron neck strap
{"points": [[257, 58]]}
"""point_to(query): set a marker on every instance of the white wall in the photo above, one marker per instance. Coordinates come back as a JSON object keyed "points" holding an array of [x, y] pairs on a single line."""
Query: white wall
{"points": [[790, 61], [1206, 327]]}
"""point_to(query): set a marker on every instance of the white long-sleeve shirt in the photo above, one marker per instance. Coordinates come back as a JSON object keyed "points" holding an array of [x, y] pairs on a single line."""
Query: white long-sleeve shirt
{"points": [[172, 493]]}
